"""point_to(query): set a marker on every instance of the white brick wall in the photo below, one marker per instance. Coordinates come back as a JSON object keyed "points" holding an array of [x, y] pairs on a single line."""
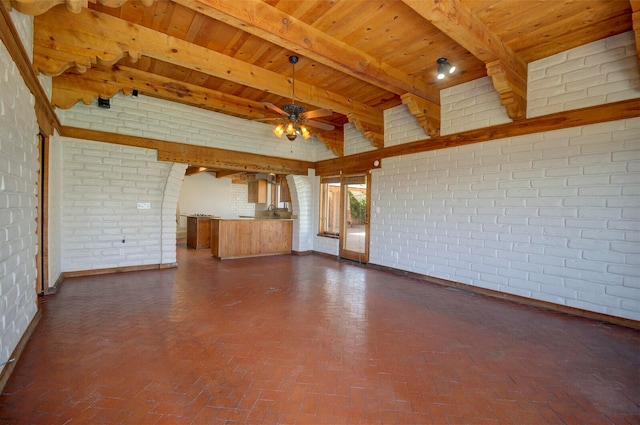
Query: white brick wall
{"points": [[552, 216], [239, 204], [159, 119], [168, 213], [302, 196], [18, 201], [601, 72], [102, 186], [401, 127], [55, 212], [354, 141], [472, 105], [154, 118], [24, 26]]}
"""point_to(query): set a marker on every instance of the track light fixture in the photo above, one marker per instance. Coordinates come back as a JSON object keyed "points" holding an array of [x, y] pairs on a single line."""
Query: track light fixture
{"points": [[444, 68]]}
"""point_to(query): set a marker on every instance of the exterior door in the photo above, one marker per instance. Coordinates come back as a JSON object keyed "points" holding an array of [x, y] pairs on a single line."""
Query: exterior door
{"points": [[355, 205]]}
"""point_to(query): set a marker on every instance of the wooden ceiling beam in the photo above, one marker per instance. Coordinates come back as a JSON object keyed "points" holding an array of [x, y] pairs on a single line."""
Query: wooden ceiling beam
{"points": [[508, 71], [427, 114], [510, 97], [333, 139], [191, 170], [195, 155], [267, 22], [38, 7], [374, 132], [91, 36], [635, 16], [69, 89], [228, 173]]}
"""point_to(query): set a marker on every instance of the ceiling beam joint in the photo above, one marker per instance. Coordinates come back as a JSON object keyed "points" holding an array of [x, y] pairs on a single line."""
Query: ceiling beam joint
{"points": [[427, 113], [508, 71]]}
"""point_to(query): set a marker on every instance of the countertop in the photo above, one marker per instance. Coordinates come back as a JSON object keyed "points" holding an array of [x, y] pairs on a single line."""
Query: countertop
{"points": [[251, 217]]}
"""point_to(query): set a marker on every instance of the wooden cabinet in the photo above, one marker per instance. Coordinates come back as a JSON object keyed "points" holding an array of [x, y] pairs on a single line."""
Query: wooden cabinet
{"points": [[198, 231], [285, 195], [257, 192], [250, 238]]}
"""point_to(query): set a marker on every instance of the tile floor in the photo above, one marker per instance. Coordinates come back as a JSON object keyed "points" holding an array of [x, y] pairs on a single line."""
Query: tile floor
{"points": [[311, 340]]}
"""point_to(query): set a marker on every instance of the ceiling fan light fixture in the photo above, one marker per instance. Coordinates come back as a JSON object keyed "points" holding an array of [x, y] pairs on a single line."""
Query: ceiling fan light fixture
{"points": [[279, 130], [305, 133], [444, 68], [291, 131], [297, 117]]}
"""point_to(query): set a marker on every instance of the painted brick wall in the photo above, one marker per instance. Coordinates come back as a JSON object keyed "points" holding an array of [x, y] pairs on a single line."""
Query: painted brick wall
{"points": [[354, 141], [154, 118], [170, 195], [55, 211], [401, 127], [18, 201], [601, 72], [302, 200], [469, 106], [103, 184], [551, 216], [239, 204], [24, 25], [158, 119]]}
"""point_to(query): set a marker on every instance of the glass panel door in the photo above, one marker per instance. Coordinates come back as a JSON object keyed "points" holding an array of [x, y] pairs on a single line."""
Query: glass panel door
{"points": [[354, 237]]}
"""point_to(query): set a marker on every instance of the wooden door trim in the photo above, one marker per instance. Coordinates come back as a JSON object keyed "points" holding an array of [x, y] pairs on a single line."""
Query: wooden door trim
{"points": [[359, 257]]}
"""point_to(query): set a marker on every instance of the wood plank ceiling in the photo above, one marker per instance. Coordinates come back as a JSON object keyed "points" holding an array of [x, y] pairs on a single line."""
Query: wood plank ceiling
{"points": [[357, 57]]}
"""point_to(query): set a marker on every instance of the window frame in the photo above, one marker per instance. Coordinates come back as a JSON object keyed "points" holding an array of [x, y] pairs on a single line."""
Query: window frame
{"points": [[329, 207]]}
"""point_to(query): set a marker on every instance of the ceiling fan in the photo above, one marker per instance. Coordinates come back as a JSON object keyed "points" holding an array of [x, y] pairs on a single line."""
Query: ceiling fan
{"points": [[296, 116]]}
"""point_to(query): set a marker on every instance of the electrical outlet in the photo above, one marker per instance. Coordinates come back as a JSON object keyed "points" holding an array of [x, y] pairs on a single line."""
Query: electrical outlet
{"points": [[144, 205]]}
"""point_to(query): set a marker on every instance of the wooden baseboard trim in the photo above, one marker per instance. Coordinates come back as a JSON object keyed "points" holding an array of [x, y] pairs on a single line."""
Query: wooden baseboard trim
{"points": [[324, 254], [5, 374], [302, 252], [52, 290], [96, 272], [629, 323]]}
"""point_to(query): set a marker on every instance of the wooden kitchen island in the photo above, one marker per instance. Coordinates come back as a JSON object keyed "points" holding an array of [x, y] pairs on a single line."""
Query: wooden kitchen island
{"points": [[250, 237], [199, 231]]}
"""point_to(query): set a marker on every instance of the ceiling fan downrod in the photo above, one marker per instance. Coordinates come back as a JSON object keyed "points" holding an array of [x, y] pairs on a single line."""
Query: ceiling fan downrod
{"points": [[293, 60]]}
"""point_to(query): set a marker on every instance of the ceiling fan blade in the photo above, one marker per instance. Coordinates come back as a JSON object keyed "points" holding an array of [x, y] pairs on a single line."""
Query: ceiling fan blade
{"points": [[317, 113], [275, 108], [267, 119], [320, 125]]}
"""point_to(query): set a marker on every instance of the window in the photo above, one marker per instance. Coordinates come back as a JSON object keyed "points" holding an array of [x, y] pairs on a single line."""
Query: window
{"points": [[329, 206]]}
